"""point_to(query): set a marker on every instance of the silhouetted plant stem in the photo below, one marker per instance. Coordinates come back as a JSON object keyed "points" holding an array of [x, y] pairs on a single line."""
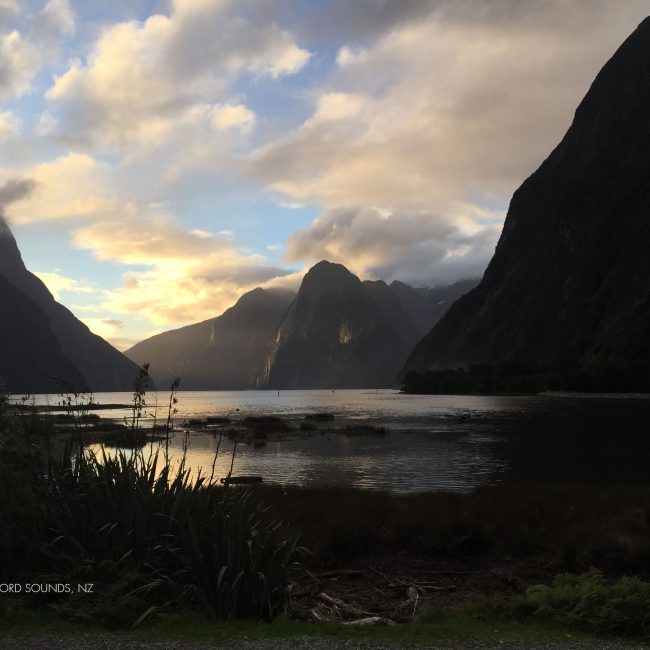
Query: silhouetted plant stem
{"points": [[234, 451], [216, 453], [171, 410]]}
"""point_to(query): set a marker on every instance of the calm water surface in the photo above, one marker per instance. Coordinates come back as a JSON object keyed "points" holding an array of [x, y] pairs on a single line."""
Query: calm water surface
{"points": [[452, 443]]}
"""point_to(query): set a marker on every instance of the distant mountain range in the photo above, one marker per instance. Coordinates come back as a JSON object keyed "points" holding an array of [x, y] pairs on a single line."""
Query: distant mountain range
{"points": [[41, 339], [224, 353], [565, 301], [337, 332]]}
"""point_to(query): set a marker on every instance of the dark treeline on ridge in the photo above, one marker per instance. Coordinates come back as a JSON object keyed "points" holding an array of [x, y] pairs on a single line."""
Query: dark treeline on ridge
{"points": [[525, 378]]}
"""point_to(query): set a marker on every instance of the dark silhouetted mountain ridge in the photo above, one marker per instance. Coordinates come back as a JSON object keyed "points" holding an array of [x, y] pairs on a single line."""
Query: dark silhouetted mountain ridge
{"points": [[567, 292], [336, 332], [99, 366], [343, 333]]}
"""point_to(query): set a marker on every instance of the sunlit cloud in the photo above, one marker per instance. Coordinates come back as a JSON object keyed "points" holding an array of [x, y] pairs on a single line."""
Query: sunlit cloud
{"points": [[186, 276], [9, 124], [151, 142], [111, 330], [416, 247], [453, 108], [59, 284], [72, 186], [233, 116], [24, 51], [18, 65], [140, 78]]}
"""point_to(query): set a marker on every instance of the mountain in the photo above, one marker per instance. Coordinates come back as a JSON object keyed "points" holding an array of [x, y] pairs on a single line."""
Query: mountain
{"points": [[99, 366], [224, 353], [343, 333], [567, 292], [30, 355], [338, 331]]}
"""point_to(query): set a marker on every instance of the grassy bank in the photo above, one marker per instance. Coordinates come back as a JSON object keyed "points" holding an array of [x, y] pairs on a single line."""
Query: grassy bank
{"points": [[454, 626]]}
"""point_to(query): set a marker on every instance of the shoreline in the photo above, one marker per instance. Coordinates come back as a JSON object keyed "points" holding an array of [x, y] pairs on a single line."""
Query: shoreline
{"points": [[579, 395]]}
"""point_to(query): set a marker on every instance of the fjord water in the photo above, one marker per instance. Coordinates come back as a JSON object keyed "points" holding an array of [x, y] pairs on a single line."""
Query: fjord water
{"points": [[433, 442]]}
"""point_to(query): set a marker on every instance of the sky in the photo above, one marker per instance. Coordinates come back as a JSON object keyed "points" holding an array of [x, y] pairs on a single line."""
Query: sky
{"points": [[158, 158]]}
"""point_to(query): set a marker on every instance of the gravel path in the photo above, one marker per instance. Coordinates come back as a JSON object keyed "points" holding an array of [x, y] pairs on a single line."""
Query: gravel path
{"points": [[116, 642]]}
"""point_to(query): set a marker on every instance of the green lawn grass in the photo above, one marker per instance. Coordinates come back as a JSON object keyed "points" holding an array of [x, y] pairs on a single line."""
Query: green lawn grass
{"points": [[449, 626]]}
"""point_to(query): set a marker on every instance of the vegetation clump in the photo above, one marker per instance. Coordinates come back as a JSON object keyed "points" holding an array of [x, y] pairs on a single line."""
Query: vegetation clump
{"points": [[512, 377], [147, 533], [267, 423], [217, 420], [364, 430], [589, 602], [320, 417]]}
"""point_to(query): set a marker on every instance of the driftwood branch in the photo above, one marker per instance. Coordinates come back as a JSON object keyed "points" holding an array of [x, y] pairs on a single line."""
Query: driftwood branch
{"points": [[371, 620], [339, 604]]}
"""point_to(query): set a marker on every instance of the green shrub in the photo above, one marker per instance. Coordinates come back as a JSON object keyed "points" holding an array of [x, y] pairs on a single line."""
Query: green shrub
{"points": [[591, 602]]}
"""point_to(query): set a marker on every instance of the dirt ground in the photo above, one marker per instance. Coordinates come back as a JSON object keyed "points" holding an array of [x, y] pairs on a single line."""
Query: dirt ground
{"points": [[397, 589]]}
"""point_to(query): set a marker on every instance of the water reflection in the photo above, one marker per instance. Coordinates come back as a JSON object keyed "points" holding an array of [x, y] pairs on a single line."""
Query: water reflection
{"points": [[449, 443], [400, 462]]}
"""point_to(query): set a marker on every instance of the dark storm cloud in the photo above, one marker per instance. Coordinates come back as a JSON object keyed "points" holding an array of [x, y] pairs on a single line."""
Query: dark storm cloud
{"points": [[13, 190]]}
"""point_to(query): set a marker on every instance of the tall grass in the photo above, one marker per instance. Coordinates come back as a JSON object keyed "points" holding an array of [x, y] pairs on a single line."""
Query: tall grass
{"points": [[23, 490], [164, 538], [148, 534]]}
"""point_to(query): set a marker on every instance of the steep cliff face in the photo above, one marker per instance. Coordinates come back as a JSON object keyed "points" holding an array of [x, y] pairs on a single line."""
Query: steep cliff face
{"points": [[337, 332], [30, 356], [344, 333], [102, 367], [569, 284], [224, 353]]}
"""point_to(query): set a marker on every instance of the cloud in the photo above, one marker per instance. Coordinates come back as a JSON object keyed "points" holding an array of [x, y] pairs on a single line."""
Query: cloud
{"points": [[18, 65], [431, 116], [233, 116], [71, 186], [362, 20], [8, 6], [415, 247], [110, 329], [140, 78], [58, 284], [157, 240], [187, 276], [15, 189], [24, 52], [9, 124], [56, 20]]}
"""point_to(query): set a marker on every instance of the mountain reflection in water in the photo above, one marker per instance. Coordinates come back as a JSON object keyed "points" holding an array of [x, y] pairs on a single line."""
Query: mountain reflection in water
{"points": [[451, 443]]}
